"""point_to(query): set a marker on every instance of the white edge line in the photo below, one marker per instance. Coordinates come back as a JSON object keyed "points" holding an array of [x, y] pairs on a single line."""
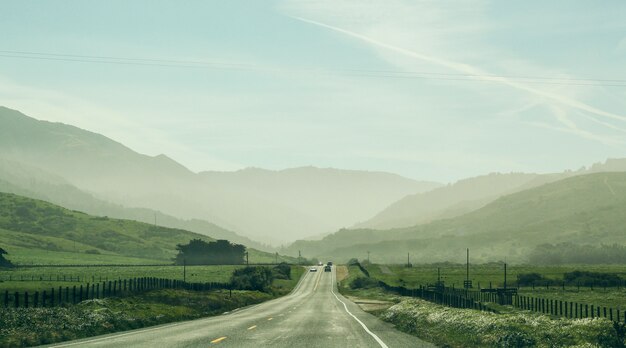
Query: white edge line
{"points": [[332, 287]]}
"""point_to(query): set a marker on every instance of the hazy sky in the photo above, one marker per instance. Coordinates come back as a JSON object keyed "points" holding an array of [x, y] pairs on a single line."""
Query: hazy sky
{"points": [[405, 87]]}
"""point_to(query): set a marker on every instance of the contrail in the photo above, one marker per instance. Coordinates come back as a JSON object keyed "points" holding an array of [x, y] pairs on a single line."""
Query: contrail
{"points": [[467, 69]]}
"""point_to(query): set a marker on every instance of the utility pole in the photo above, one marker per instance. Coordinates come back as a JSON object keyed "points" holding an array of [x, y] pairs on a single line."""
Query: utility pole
{"points": [[184, 270], [408, 261], [247, 261], [155, 220], [467, 284], [505, 276], [299, 257]]}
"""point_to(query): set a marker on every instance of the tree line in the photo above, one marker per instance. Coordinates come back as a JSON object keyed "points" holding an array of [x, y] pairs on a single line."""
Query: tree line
{"points": [[570, 253], [220, 252]]}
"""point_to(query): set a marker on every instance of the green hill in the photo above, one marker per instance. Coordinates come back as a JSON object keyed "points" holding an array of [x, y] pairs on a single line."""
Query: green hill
{"points": [[470, 194], [34, 231], [29, 181], [586, 209]]}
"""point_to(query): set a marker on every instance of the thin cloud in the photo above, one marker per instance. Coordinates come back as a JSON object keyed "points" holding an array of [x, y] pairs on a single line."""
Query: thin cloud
{"points": [[470, 70]]}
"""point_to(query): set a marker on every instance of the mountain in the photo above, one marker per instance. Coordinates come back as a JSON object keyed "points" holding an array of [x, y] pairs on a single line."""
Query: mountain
{"points": [[32, 182], [448, 201], [268, 206], [583, 209], [35, 231], [470, 194], [307, 201]]}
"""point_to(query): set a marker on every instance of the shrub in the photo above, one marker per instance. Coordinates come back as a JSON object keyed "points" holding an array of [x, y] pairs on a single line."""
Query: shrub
{"points": [[282, 271], [363, 283], [252, 278]]}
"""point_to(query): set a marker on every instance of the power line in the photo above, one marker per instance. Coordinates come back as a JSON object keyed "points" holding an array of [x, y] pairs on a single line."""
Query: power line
{"points": [[347, 72]]}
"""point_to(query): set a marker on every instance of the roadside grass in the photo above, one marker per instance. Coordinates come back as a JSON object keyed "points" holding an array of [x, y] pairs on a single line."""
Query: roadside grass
{"points": [[33, 326], [454, 274], [452, 327]]}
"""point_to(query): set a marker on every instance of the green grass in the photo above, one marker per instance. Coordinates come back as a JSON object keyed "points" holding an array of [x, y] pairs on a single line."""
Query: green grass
{"points": [[453, 274], [41, 275], [452, 327], [34, 326]]}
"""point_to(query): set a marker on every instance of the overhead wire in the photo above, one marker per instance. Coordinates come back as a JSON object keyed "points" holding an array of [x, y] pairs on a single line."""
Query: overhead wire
{"points": [[217, 65]]}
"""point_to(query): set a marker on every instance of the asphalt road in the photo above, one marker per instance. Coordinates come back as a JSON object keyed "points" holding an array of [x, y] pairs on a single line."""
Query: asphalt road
{"points": [[313, 315]]}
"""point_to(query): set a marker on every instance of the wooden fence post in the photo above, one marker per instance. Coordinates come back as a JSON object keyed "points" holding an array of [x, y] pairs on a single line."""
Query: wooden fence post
{"points": [[26, 299], [6, 300], [52, 297], [43, 299], [17, 299]]}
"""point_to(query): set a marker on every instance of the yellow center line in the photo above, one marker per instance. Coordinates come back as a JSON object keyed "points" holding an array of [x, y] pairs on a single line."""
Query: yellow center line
{"points": [[319, 276], [218, 340], [252, 327], [270, 318]]}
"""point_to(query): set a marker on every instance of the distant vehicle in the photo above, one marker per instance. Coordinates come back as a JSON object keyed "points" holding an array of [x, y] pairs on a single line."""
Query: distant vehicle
{"points": [[330, 263], [312, 269], [320, 263], [327, 268]]}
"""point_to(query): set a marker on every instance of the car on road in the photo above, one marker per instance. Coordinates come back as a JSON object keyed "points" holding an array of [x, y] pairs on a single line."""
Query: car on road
{"points": [[313, 269], [327, 268]]}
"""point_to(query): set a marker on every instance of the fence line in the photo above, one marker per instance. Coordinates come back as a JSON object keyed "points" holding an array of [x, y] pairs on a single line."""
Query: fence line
{"points": [[121, 287], [462, 298]]}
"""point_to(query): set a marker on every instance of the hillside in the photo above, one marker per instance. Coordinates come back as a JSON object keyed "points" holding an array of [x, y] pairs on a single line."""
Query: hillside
{"points": [[37, 231], [267, 206], [585, 209], [32, 182], [470, 194]]}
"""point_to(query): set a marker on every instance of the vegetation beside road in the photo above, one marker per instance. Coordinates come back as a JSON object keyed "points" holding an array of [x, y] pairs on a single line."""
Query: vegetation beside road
{"points": [[33, 326], [453, 327]]}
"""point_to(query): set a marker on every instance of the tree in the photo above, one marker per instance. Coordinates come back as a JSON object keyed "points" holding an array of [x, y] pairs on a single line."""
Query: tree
{"points": [[4, 262], [220, 252]]}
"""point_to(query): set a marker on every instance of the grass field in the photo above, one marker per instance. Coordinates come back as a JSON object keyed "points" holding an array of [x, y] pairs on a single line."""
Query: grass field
{"points": [[453, 275], [40, 278]]}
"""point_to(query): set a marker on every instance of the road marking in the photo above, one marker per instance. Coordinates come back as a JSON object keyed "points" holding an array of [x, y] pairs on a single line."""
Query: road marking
{"points": [[218, 340], [270, 318], [252, 327], [319, 276], [332, 290]]}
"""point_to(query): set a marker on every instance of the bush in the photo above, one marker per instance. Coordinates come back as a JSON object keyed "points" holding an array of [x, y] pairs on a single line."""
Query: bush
{"points": [[363, 283], [592, 278], [282, 271], [252, 278], [533, 279]]}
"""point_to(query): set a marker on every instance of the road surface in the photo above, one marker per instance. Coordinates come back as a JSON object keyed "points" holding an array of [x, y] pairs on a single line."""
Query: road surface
{"points": [[313, 315]]}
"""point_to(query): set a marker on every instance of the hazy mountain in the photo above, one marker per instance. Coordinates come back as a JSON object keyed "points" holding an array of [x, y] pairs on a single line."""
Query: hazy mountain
{"points": [[468, 195], [32, 182], [31, 227], [584, 209], [269, 206]]}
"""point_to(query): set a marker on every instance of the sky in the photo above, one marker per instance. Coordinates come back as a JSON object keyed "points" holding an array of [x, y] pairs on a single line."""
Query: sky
{"points": [[432, 90]]}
